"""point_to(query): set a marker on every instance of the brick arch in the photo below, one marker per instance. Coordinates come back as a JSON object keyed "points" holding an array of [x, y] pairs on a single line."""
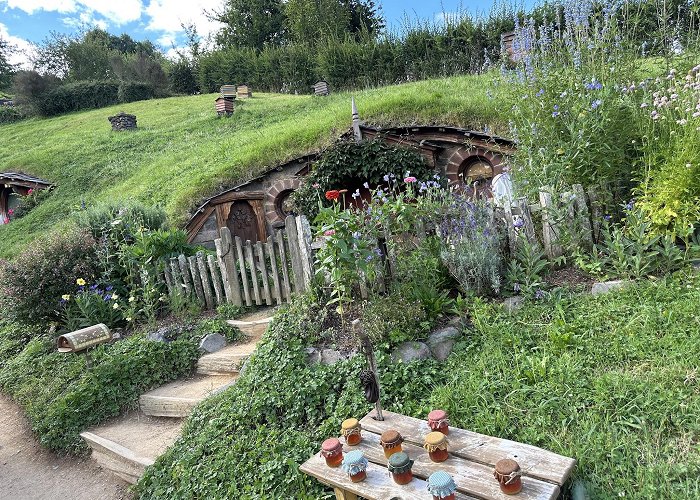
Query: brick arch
{"points": [[466, 154], [272, 195]]}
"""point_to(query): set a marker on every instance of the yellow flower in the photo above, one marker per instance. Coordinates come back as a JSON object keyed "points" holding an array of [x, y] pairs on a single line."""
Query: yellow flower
{"points": [[560, 151], [65, 297], [80, 281], [115, 306]]}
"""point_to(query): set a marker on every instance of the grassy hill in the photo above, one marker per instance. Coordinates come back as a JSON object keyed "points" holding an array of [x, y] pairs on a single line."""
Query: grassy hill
{"points": [[182, 152]]}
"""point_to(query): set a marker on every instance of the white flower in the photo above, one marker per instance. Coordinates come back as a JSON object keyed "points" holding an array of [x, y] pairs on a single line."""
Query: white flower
{"points": [[115, 296], [116, 221], [115, 306], [132, 298]]}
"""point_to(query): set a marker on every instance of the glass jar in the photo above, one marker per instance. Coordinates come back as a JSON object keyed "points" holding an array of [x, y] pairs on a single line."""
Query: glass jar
{"points": [[438, 421], [436, 446], [355, 464], [391, 442], [441, 486], [351, 431], [400, 467], [508, 475], [332, 451]]}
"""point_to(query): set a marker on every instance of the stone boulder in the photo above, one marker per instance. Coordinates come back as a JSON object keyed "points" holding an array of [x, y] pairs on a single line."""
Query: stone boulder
{"points": [[212, 343], [160, 335], [316, 355], [411, 351], [442, 341], [607, 286]]}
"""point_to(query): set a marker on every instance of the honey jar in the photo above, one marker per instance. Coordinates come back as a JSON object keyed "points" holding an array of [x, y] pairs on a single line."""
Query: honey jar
{"points": [[436, 446], [391, 442], [441, 486], [355, 464], [351, 431], [508, 475], [332, 451], [438, 421], [400, 467]]}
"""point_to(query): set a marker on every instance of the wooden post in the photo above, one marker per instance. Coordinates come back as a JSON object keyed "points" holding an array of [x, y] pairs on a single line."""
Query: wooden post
{"points": [[549, 234], [244, 274], [199, 290], [294, 254], [371, 362], [356, 122], [253, 271], [259, 250], [184, 269], [227, 262], [273, 266], [206, 283], [390, 254], [510, 227], [168, 278], [304, 232], [216, 280], [283, 263], [177, 277], [526, 216], [341, 494]]}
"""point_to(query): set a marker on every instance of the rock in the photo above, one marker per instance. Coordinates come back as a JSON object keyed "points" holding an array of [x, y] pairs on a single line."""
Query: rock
{"points": [[442, 341], [607, 286], [411, 351], [122, 121], [160, 335], [331, 356], [512, 304], [313, 355], [326, 356], [212, 342]]}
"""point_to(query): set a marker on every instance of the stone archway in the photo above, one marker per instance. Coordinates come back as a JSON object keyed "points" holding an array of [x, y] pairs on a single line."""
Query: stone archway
{"points": [[473, 163], [277, 200]]}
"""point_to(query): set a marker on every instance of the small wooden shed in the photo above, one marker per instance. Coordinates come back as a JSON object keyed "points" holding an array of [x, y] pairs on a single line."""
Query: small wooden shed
{"points": [[243, 92], [224, 106], [321, 88]]}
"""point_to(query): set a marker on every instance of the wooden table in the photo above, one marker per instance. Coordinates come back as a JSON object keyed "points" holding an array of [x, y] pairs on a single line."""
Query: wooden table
{"points": [[471, 464]]}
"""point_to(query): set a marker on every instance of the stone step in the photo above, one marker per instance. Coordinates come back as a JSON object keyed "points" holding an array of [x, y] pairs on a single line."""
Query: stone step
{"points": [[178, 398], [252, 327], [128, 444], [230, 359]]}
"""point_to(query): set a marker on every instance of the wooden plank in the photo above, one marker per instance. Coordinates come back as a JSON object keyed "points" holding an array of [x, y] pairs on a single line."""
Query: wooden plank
{"points": [[244, 274], [253, 271], [196, 280], [277, 292], [227, 263], [472, 478], [285, 268], [526, 216], [262, 266], [549, 235], [206, 282], [510, 228], [185, 273], [177, 277], [344, 494], [535, 462], [168, 278], [216, 279], [304, 231], [294, 254], [378, 486], [583, 215], [596, 212]]}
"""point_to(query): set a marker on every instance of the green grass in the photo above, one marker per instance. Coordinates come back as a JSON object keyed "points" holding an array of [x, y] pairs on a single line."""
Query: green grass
{"points": [[182, 152]]}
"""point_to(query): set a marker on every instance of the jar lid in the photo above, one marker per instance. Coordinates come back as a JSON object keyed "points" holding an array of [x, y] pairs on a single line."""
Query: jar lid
{"points": [[435, 438], [441, 484], [331, 445], [354, 462], [399, 463], [350, 423], [507, 466], [391, 438], [437, 415]]}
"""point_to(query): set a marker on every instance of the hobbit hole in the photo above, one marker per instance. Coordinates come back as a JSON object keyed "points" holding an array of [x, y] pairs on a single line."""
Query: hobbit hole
{"points": [[13, 186]]}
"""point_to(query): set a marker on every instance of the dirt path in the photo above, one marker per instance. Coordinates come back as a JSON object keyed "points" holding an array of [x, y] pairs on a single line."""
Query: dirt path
{"points": [[29, 472]]}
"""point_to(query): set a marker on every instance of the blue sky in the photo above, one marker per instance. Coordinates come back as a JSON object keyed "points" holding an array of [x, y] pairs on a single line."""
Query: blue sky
{"points": [[26, 21]]}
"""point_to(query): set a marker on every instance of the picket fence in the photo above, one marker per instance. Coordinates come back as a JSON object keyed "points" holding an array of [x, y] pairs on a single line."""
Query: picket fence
{"points": [[246, 273]]}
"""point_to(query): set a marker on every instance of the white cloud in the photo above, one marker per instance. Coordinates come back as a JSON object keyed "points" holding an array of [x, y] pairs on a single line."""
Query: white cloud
{"points": [[24, 50], [85, 19], [168, 16], [31, 6], [116, 11]]}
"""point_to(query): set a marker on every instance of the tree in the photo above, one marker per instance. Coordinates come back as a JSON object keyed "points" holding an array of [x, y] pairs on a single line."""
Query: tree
{"points": [[251, 23], [6, 69], [314, 21]]}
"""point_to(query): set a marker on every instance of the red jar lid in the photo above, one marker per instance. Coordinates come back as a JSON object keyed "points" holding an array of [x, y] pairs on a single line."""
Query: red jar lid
{"points": [[331, 445], [437, 415]]}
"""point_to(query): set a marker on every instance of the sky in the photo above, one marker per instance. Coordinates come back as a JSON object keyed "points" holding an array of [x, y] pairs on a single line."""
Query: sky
{"points": [[23, 22]]}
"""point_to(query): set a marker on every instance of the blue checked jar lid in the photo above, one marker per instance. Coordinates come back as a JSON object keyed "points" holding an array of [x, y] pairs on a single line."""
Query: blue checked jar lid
{"points": [[441, 484], [354, 462]]}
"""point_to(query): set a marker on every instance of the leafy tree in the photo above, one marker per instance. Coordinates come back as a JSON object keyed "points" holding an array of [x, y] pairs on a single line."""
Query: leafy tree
{"points": [[6, 69], [251, 23]]}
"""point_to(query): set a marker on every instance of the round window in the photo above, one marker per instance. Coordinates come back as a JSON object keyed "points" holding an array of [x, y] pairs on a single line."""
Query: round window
{"points": [[476, 170], [284, 205]]}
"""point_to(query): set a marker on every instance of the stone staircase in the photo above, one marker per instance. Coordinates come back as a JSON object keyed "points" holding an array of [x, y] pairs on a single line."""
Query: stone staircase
{"points": [[127, 444]]}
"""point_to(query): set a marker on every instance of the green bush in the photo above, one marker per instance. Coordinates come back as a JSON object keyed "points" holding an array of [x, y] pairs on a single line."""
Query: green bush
{"points": [[32, 284], [101, 220], [10, 114], [78, 95], [62, 397], [136, 91]]}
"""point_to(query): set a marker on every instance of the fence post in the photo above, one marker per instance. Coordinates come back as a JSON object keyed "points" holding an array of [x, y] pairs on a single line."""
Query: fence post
{"points": [[244, 274], [177, 276], [270, 247], [185, 272], [227, 262], [206, 283], [526, 216], [549, 233], [294, 253], [260, 251], [583, 215], [283, 263], [253, 271], [304, 233], [196, 280], [510, 227], [216, 279]]}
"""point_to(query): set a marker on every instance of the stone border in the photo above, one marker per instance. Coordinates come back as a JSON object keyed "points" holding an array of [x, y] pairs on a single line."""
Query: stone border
{"points": [[464, 154], [272, 195]]}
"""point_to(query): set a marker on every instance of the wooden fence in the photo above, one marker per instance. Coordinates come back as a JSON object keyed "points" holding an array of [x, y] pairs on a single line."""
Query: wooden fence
{"points": [[246, 273]]}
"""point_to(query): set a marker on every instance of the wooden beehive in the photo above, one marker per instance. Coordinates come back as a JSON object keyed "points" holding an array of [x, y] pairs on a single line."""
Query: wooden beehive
{"points": [[321, 88], [243, 92], [507, 46], [228, 91], [224, 106], [80, 340]]}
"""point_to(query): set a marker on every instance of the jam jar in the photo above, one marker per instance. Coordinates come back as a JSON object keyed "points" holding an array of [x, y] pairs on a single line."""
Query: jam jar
{"points": [[438, 421], [332, 451], [508, 474], [441, 486], [355, 464], [436, 446], [400, 468], [351, 431], [391, 442]]}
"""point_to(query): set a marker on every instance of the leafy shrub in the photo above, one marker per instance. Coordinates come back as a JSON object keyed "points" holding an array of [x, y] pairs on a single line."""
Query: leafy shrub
{"points": [[32, 284], [136, 91], [395, 318], [182, 77], [10, 114], [91, 305], [526, 269], [76, 96], [101, 219]]}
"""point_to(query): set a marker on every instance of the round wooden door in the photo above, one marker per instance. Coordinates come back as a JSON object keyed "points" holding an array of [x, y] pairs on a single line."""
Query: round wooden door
{"points": [[242, 221]]}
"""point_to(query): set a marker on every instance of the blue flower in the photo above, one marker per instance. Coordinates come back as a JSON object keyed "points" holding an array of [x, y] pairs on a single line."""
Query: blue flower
{"points": [[555, 114], [596, 103], [386, 178], [607, 217], [540, 93], [519, 223], [539, 294], [366, 185]]}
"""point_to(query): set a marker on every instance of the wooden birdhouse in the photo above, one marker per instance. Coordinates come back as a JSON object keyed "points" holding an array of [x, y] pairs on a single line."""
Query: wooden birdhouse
{"points": [[321, 88]]}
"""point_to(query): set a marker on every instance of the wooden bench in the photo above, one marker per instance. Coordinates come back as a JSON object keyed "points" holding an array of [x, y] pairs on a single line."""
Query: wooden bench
{"points": [[471, 464]]}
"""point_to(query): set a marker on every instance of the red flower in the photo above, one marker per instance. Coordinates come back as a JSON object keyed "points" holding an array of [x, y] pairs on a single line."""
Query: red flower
{"points": [[10, 212], [332, 195]]}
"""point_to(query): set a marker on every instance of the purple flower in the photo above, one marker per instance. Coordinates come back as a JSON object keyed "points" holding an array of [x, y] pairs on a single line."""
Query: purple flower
{"points": [[596, 103], [386, 178], [555, 114], [540, 93], [519, 223], [630, 205], [539, 294], [607, 217]]}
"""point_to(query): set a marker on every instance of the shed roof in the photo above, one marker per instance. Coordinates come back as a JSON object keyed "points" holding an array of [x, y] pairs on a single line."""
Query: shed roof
{"points": [[22, 179]]}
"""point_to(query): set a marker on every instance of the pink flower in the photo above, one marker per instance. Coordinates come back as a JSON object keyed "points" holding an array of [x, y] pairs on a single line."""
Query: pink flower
{"points": [[330, 232], [410, 179], [30, 191], [10, 212]]}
